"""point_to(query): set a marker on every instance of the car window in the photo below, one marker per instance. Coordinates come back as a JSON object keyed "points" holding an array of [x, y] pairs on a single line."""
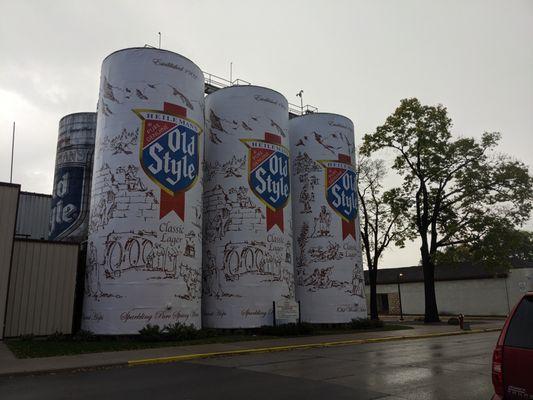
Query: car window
{"points": [[520, 332]]}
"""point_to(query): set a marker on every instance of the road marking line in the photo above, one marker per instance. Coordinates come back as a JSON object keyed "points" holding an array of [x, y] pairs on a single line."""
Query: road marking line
{"points": [[188, 357]]}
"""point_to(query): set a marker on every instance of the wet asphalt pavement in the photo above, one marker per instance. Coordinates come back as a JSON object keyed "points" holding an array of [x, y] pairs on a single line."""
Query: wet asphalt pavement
{"points": [[453, 367]]}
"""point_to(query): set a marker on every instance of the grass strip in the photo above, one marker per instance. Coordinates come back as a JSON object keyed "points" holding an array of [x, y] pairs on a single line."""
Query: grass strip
{"points": [[70, 345]]}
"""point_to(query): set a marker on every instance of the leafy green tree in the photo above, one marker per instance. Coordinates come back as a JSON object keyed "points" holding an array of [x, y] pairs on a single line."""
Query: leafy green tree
{"points": [[459, 188], [502, 246], [383, 219]]}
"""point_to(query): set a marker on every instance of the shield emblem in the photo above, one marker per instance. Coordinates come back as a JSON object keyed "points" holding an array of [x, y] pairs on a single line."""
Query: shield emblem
{"points": [[268, 175], [169, 153], [341, 191]]}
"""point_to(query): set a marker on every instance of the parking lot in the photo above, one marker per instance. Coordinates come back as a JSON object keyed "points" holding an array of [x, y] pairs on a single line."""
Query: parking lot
{"points": [[452, 367]]}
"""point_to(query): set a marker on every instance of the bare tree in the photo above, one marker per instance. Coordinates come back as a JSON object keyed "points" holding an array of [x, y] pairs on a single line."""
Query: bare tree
{"points": [[383, 219]]}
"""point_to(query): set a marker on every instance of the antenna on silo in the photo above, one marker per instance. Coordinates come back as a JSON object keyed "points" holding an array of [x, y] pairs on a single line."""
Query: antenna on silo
{"points": [[300, 94], [159, 33], [12, 153]]}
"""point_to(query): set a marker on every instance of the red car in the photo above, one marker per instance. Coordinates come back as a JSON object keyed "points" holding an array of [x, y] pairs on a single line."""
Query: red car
{"points": [[512, 361]]}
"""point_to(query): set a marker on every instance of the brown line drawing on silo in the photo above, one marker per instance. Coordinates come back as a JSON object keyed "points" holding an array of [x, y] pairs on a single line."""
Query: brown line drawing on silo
{"points": [[328, 253], [122, 143], [322, 223], [93, 274], [212, 279], [358, 282], [114, 191], [253, 258], [234, 167], [231, 211], [182, 97], [321, 279], [192, 280]]}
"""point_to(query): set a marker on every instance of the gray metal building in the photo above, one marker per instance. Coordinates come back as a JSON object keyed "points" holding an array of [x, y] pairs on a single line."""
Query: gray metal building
{"points": [[37, 277], [9, 195], [41, 288], [33, 216]]}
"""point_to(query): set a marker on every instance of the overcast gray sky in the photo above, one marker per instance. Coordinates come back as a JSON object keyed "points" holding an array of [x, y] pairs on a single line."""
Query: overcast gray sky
{"points": [[356, 58]]}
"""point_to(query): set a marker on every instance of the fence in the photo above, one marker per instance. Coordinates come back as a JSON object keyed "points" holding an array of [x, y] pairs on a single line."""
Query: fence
{"points": [[41, 288]]}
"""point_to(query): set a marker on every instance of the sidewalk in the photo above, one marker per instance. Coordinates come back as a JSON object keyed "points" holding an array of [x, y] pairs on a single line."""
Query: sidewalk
{"points": [[10, 365]]}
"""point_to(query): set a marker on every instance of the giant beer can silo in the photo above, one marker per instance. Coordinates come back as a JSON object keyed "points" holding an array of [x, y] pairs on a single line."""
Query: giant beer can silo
{"points": [[327, 247], [144, 247], [247, 209], [69, 213]]}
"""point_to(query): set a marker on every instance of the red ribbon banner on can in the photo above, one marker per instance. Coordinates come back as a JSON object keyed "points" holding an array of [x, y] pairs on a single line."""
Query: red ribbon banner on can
{"points": [[273, 217], [173, 202], [348, 227]]}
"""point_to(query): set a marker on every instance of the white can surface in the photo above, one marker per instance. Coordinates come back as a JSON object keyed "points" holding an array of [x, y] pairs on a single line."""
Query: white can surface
{"points": [[327, 247], [248, 252], [144, 252]]}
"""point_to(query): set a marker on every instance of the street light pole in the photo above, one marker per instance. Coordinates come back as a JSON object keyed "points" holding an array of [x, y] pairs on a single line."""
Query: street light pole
{"points": [[400, 296]]}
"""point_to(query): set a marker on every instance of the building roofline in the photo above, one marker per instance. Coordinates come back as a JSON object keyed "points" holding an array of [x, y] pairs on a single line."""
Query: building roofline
{"points": [[453, 272], [35, 194]]}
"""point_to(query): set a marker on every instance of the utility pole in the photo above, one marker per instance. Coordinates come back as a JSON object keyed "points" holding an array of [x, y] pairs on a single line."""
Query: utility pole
{"points": [[400, 296], [231, 73], [12, 153], [159, 33]]}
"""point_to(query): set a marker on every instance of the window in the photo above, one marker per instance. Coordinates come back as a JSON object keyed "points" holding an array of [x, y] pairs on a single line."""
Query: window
{"points": [[520, 331]]}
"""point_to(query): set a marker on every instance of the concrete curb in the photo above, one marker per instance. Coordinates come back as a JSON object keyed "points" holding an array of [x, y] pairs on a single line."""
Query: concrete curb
{"points": [[189, 357]]}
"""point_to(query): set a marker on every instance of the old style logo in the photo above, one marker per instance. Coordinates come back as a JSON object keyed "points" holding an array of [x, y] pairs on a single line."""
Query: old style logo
{"points": [[341, 192], [268, 175], [68, 211], [72, 184], [169, 154]]}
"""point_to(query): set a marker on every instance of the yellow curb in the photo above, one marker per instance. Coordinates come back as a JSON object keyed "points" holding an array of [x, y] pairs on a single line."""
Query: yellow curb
{"points": [[188, 357]]}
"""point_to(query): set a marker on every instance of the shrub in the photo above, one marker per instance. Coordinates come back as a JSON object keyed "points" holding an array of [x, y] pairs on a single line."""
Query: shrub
{"points": [[453, 321], [365, 323], [151, 333], [84, 336], [179, 331], [57, 336]]}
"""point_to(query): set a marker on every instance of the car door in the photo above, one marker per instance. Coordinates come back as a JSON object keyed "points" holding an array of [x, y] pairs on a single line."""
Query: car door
{"points": [[518, 353]]}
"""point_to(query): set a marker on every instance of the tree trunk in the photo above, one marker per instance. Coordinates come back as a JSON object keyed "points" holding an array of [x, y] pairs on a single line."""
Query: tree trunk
{"points": [[431, 310], [372, 276]]}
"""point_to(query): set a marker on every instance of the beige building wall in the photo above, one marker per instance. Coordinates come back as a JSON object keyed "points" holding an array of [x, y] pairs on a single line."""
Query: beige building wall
{"points": [[41, 288], [9, 195], [468, 296], [519, 282]]}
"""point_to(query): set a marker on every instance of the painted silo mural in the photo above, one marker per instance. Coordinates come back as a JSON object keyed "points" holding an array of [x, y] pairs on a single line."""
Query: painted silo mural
{"points": [[327, 248], [69, 213], [248, 251], [144, 247]]}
